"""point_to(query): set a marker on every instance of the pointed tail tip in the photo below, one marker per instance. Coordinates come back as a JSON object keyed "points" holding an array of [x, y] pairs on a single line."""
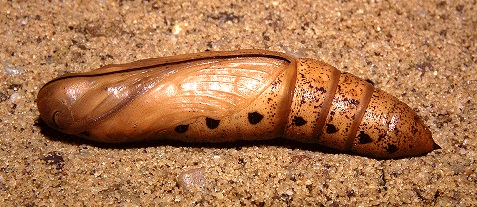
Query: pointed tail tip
{"points": [[436, 146]]}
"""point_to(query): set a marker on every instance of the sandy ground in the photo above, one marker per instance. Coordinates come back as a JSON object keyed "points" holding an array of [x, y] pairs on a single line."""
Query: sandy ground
{"points": [[423, 53]]}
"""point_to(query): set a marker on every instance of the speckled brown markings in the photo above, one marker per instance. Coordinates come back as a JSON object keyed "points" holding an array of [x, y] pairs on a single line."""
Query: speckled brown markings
{"points": [[227, 96]]}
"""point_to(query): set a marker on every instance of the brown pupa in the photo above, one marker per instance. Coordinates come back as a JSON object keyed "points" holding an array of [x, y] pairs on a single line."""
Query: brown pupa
{"points": [[228, 96]]}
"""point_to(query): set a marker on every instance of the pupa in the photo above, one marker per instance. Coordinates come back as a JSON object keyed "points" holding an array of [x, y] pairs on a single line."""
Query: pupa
{"points": [[230, 96]]}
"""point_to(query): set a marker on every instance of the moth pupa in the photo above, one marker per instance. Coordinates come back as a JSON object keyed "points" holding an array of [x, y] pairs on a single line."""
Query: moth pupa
{"points": [[229, 96]]}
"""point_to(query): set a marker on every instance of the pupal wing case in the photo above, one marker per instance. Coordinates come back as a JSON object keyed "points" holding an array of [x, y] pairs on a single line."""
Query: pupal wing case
{"points": [[238, 95]]}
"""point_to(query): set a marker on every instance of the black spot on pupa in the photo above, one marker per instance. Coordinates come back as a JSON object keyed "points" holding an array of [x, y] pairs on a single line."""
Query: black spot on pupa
{"points": [[364, 138], [254, 117], [330, 129], [181, 128], [299, 121], [212, 123], [391, 148], [85, 134]]}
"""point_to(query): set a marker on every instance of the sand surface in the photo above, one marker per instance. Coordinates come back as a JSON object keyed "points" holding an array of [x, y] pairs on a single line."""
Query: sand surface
{"points": [[423, 53]]}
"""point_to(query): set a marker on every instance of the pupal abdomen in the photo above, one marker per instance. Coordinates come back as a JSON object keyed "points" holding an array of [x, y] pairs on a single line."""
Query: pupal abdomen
{"points": [[344, 112], [228, 96]]}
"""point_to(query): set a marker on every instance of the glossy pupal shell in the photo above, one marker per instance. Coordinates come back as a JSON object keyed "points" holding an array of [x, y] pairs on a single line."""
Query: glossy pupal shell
{"points": [[228, 96]]}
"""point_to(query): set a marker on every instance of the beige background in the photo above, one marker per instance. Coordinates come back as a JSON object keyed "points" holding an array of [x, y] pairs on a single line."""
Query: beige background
{"points": [[423, 53]]}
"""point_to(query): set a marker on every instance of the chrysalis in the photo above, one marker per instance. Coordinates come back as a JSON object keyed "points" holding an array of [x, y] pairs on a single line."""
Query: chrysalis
{"points": [[228, 96]]}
